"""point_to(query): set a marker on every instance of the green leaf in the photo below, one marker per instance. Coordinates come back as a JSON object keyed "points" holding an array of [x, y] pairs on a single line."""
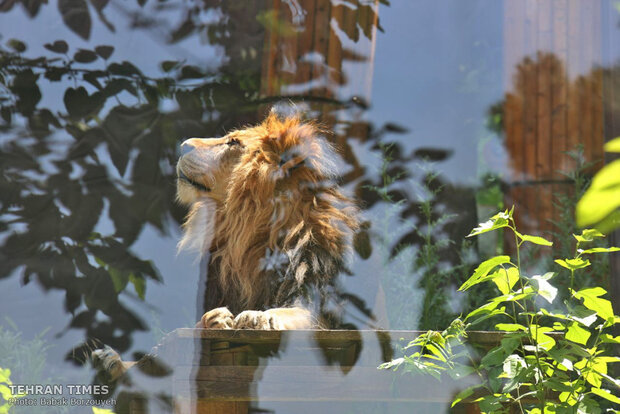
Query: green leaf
{"points": [[592, 301], [493, 358], [498, 221], [395, 363], [102, 411], [577, 334], [600, 250], [583, 315], [540, 338], [139, 284], [613, 145], [601, 392], [59, 46], [592, 370], [85, 56], [602, 198], [5, 374], [560, 356], [460, 371], [5, 392], [588, 235], [544, 288], [514, 368], [119, 278], [490, 403], [513, 364], [505, 279], [483, 270], [573, 264], [510, 327], [104, 51], [464, 394], [484, 309], [494, 312], [534, 239], [609, 339], [16, 45]]}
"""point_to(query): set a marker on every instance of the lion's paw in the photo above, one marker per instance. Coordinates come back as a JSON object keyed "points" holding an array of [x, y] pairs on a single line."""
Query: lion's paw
{"points": [[108, 362], [255, 320], [218, 318]]}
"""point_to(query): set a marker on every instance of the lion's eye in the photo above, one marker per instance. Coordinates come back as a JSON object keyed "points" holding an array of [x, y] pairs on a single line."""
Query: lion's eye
{"points": [[233, 141]]}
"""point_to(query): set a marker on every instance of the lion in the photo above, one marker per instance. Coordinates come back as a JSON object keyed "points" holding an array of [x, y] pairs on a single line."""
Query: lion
{"points": [[271, 223]]}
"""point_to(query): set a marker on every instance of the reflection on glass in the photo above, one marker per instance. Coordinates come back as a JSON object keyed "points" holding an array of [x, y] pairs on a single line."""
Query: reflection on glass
{"points": [[441, 115]]}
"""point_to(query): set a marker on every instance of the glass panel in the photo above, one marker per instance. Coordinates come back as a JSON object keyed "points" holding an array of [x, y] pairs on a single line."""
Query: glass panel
{"points": [[440, 114]]}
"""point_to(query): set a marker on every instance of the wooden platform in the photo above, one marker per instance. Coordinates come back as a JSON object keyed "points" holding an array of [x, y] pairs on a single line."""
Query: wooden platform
{"points": [[225, 371]]}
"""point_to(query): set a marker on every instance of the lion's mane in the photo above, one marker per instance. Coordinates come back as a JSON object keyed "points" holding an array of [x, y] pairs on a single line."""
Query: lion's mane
{"points": [[284, 229]]}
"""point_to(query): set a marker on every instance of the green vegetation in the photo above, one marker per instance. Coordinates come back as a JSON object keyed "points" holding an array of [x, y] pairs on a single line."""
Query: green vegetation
{"points": [[599, 205], [5, 391], [27, 361], [552, 358]]}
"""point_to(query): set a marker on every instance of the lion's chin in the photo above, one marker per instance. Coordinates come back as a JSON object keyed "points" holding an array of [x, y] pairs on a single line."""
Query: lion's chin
{"points": [[188, 193]]}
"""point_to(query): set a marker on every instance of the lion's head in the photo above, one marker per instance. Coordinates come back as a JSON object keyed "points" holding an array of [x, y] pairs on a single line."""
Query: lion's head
{"points": [[261, 192]]}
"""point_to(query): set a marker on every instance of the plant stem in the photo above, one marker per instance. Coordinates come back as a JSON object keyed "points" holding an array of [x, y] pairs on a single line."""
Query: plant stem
{"points": [[534, 341]]}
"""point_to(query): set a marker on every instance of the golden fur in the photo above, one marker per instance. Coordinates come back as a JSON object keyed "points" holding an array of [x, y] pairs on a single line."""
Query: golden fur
{"points": [[271, 191]]}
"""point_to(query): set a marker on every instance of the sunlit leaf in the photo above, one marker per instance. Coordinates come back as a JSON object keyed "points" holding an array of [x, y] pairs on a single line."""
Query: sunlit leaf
{"points": [[601, 392], [588, 235], [505, 279], [483, 270], [5, 392], [486, 313], [102, 411], [577, 334], [613, 145], [602, 198], [592, 370], [601, 250], [534, 239], [392, 364], [498, 221], [510, 327], [592, 301], [464, 394], [5, 375], [573, 264], [539, 334], [606, 338], [544, 288]]}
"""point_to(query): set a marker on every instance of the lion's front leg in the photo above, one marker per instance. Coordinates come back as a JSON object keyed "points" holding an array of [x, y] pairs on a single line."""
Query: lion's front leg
{"points": [[277, 319], [218, 318], [109, 363]]}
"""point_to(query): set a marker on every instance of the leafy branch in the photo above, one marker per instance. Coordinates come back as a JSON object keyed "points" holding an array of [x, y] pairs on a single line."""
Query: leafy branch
{"points": [[548, 360]]}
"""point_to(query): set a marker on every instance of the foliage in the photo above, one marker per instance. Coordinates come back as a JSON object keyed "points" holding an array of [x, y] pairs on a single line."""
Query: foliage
{"points": [[5, 391], [551, 359], [564, 226], [27, 360], [599, 205], [420, 256]]}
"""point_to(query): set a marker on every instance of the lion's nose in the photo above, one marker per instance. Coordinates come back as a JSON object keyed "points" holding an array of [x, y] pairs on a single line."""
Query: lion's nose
{"points": [[186, 147]]}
